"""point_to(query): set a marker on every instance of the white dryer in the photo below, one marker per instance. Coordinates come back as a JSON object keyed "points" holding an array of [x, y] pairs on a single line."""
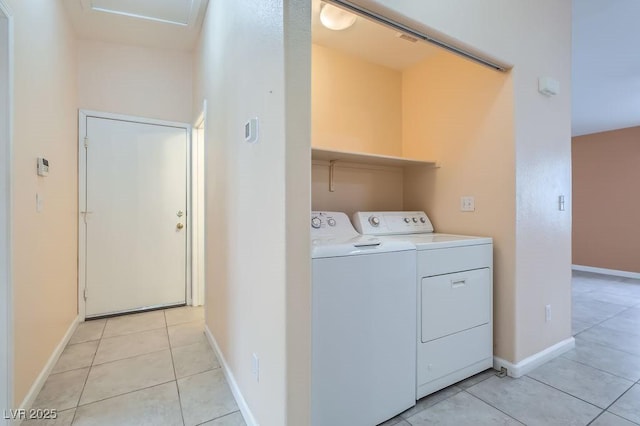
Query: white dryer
{"points": [[454, 278], [363, 325]]}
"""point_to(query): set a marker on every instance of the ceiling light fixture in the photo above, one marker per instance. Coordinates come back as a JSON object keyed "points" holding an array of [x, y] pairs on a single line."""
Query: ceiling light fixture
{"points": [[335, 18]]}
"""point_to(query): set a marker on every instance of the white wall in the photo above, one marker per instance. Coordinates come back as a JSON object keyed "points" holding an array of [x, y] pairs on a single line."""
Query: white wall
{"points": [[257, 198], [132, 80], [5, 214], [534, 36]]}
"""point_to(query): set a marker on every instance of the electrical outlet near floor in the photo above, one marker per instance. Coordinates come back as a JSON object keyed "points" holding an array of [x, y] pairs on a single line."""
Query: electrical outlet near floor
{"points": [[467, 204], [547, 313], [255, 367]]}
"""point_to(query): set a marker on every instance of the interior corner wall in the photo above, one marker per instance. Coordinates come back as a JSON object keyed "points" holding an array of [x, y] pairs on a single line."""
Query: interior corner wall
{"points": [[605, 222], [44, 250], [542, 140], [469, 132], [135, 80], [250, 215]]}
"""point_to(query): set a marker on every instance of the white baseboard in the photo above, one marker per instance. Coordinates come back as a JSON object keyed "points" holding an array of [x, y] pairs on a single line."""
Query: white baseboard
{"points": [[534, 361], [31, 396], [614, 272], [235, 389]]}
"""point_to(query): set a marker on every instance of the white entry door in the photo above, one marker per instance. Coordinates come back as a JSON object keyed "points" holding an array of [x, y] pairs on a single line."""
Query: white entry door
{"points": [[135, 220]]}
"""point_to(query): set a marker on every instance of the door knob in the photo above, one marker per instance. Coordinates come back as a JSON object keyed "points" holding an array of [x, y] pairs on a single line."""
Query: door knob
{"points": [[180, 226]]}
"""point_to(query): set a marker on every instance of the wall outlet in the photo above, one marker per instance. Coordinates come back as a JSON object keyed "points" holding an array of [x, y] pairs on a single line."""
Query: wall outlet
{"points": [[547, 313], [467, 204], [255, 367]]}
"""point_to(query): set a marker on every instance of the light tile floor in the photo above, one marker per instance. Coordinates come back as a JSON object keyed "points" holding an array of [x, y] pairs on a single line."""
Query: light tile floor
{"points": [[153, 368], [158, 369]]}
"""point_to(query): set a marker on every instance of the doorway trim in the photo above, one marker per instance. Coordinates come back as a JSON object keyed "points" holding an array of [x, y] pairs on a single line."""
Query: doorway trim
{"points": [[198, 207], [6, 283], [83, 114]]}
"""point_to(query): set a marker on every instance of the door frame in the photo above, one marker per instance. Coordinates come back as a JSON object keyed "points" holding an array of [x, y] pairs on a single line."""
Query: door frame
{"points": [[6, 283], [83, 114], [198, 207]]}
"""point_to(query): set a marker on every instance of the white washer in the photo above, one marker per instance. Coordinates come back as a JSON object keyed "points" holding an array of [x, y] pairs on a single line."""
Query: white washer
{"points": [[363, 325], [455, 297]]}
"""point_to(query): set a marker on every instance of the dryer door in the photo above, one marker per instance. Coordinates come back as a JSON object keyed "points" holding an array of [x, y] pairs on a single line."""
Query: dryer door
{"points": [[455, 302]]}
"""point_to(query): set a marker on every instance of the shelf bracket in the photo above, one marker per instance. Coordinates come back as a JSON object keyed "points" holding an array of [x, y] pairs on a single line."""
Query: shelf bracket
{"points": [[332, 164]]}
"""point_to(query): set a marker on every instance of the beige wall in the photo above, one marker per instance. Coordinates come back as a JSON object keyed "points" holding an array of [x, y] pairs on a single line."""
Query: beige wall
{"points": [[470, 133], [357, 188], [44, 244], [133, 80], [257, 198], [356, 105], [605, 209]]}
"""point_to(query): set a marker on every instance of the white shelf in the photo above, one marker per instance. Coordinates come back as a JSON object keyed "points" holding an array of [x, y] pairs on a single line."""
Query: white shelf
{"points": [[321, 154]]}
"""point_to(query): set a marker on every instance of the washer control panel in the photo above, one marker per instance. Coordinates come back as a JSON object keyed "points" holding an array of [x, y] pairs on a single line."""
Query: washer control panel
{"points": [[392, 223], [331, 223]]}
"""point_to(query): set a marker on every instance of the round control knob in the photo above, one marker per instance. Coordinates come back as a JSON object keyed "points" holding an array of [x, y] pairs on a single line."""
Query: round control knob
{"points": [[407, 220], [423, 220], [415, 220], [331, 222], [374, 220], [315, 222]]}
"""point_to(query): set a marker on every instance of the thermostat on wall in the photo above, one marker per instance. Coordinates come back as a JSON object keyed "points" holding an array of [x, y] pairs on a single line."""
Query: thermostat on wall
{"points": [[251, 130], [43, 166]]}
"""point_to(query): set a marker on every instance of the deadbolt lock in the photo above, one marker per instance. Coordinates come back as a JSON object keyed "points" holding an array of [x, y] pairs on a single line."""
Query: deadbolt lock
{"points": [[180, 213], [179, 226]]}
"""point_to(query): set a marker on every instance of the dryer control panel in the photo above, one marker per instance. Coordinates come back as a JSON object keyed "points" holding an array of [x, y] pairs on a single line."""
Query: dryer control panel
{"points": [[392, 223]]}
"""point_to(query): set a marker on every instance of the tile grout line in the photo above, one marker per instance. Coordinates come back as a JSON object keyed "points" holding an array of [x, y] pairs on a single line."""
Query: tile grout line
{"points": [[130, 357], [86, 379], [173, 365], [124, 393], [616, 400], [573, 396], [134, 332], [226, 415], [596, 417], [600, 369], [615, 348], [490, 405]]}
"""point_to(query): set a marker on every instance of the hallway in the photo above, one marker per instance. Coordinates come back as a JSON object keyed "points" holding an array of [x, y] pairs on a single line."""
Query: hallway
{"points": [[153, 368]]}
